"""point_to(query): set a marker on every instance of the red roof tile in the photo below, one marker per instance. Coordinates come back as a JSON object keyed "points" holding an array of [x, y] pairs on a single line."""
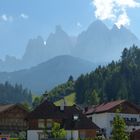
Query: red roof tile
{"points": [[104, 107]]}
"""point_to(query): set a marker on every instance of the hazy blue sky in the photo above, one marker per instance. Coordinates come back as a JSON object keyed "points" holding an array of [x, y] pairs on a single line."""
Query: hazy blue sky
{"points": [[21, 20]]}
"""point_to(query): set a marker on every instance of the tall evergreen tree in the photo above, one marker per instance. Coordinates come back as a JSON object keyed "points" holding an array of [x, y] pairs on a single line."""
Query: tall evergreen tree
{"points": [[119, 128]]}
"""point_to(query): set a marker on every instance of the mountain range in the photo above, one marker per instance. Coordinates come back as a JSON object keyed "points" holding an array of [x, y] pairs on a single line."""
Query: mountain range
{"points": [[49, 74], [100, 44], [48, 63], [97, 43]]}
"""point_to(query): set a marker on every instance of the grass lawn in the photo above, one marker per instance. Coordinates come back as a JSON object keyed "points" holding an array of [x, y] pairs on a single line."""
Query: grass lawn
{"points": [[70, 100]]}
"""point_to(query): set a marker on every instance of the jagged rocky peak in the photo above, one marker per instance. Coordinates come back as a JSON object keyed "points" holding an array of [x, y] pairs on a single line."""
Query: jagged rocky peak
{"points": [[98, 25], [58, 33], [35, 49], [121, 28], [58, 28], [115, 27], [36, 42]]}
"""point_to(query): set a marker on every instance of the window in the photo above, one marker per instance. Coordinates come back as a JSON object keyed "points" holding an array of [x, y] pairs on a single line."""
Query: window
{"points": [[49, 123], [41, 136], [127, 119], [76, 117], [41, 123], [134, 119]]}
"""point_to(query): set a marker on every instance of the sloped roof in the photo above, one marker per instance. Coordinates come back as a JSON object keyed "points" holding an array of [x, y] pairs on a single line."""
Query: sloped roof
{"points": [[5, 107], [48, 110], [45, 110], [106, 107], [82, 123]]}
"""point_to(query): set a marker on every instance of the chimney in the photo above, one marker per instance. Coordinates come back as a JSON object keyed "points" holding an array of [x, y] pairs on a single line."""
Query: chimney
{"points": [[63, 104], [86, 109], [45, 96]]}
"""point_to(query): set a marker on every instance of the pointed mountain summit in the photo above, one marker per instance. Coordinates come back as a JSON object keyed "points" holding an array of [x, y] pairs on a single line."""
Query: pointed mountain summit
{"points": [[121, 38], [99, 44], [35, 52], [58, 43], [92, 41], [97, 25], [115, 28]]}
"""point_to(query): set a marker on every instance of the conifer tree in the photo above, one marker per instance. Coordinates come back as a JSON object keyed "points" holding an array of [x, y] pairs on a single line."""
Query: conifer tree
{"points": [[119, 128]]}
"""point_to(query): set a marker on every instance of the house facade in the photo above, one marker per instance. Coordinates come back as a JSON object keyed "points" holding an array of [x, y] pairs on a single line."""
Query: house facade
{"points": [[135, 135], [103, 115], [76, 124], [12, 118]]}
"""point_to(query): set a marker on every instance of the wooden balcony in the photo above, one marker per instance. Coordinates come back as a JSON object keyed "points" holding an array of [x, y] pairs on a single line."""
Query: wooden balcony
{"points": [[13, 127]]}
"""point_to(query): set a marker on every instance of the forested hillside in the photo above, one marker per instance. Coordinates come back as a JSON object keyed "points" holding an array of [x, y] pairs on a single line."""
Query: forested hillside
{"points": [[14, 94], [62, 90], [117, 80]]}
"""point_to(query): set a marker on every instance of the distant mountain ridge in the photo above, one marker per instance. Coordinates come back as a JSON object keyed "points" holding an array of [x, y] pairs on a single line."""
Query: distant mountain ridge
{"points": [[49, 74], [97, 44]]}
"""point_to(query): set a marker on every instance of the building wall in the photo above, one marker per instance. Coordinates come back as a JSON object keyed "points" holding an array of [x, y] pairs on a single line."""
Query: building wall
{"points": [[33, 134], [75, 134], [72, 134], [87, 133], [69, 135], [135, 135], [104, 121], [13, 119]]}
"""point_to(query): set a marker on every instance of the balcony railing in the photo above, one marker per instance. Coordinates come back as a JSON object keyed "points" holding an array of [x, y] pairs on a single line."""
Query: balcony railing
{"points": [[132, 123], [129, 123]]}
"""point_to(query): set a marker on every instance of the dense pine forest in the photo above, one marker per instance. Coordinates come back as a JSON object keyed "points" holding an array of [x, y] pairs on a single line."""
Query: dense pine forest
{"points": [[117, 80], [14, 94]]}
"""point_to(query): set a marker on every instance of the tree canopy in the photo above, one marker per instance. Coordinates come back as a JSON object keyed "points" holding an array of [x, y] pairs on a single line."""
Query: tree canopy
{"points": [[119, 128], [14, 94], [117, 80]]}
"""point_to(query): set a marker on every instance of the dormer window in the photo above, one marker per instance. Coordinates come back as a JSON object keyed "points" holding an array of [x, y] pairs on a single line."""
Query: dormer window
{"points": [[75, 117]]}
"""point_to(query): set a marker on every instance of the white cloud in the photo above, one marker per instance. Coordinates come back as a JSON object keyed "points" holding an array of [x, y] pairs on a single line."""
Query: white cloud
{"points": [[9, 18], [45, 42], [6, 18], [104, 9], [79, 24], [123, 19], [128, 3], [115, 10], [24, 16]]}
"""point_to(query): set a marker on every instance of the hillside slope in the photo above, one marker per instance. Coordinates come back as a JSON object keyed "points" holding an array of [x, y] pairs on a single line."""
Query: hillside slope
{"points": [[48, 74]]}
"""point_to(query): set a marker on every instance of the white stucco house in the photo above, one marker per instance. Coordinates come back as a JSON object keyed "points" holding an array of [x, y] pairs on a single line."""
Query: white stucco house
{"points": [[103, 115], [70, 118]]}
